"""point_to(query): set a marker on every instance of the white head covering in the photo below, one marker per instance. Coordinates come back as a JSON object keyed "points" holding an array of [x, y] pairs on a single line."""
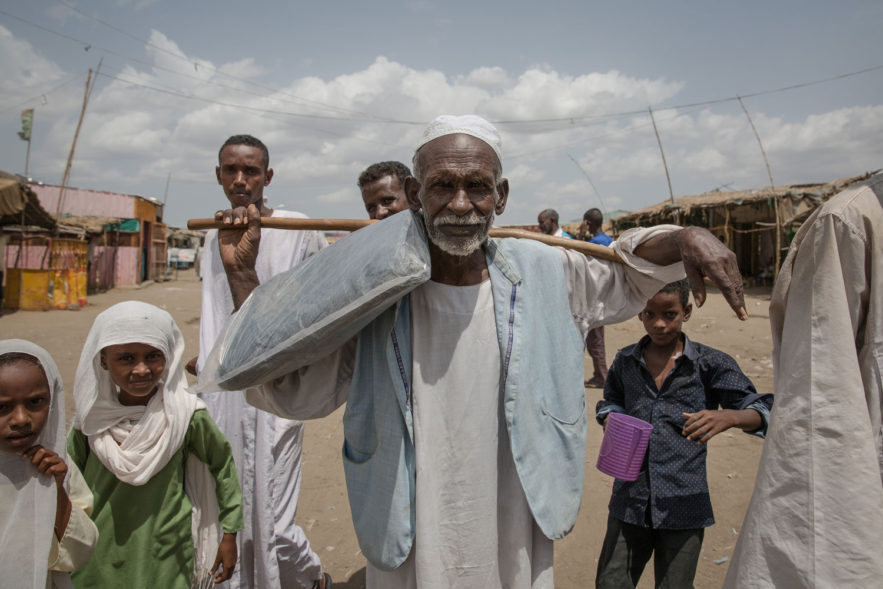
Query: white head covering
{"points": [[133, 442], [136, 442], [28, 499], [467, 124]]}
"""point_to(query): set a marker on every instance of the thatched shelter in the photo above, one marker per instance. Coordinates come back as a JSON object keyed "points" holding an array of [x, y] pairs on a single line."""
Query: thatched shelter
{"points": [[745, 220], [20, 206]]}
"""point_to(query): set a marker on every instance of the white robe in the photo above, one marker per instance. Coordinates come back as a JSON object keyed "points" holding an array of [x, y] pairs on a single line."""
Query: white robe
{"points": [[816, 515], [474, 525], [273, 550]]}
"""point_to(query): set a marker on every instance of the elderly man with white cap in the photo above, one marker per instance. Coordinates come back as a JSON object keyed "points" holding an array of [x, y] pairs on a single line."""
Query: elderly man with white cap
{"points": [[465, 453]]}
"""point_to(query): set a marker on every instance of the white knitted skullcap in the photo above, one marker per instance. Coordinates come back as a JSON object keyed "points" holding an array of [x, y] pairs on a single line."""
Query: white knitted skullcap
{"points": [[467, 124]]}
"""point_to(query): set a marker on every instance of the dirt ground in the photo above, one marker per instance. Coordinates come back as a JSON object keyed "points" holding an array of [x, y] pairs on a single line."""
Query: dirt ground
{"points": [[324, 510]]}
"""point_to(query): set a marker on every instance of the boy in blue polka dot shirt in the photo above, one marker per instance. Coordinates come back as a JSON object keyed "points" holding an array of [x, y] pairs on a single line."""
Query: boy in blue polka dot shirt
{"points": [[676, 385]]}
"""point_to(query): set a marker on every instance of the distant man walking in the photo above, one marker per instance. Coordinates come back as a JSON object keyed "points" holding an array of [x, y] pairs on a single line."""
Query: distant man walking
{"points": [[590, 230], [548, 222]]}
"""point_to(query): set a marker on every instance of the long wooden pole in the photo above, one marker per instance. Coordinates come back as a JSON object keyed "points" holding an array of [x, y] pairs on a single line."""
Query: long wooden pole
{"points": [[70, 156], [772, 187], [671, 193], [592, 184], [28, 154], [590, 249]]}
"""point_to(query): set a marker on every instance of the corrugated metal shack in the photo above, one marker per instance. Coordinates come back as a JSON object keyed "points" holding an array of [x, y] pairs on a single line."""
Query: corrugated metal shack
{"points": [[42, 265], [125, 233], [745, 220], [98, 240]]}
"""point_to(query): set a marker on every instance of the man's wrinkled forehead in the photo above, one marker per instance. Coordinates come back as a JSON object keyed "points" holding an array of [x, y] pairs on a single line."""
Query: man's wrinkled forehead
{"points": [[461, 152], [473, 125]]}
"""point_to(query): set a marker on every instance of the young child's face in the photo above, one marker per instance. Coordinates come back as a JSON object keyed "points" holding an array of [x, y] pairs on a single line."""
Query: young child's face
{"points": [[663, 316], [136, 368], [24, 405]]}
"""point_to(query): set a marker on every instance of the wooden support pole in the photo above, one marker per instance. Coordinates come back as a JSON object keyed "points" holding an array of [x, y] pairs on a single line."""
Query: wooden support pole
{"points": [[772, 187], [90, 85], [728, 240], [671, 193], [70, 155], [590, 249], [592, 184]]}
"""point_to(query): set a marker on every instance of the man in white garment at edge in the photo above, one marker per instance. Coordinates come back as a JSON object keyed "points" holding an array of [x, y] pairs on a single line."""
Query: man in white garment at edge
{"points": [[458, 187], [273, 549]]}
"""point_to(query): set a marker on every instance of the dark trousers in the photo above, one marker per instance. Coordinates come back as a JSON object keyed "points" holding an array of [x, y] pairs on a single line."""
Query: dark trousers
{"points": [[595, 347], [627, 548]]}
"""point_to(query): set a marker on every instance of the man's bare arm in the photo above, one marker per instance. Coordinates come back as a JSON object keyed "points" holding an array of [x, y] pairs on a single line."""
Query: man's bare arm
{"points": [[704, 256]]}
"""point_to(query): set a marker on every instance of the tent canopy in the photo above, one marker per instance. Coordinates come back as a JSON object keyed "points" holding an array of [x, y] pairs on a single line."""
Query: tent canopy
{"points": [[20, 206]]}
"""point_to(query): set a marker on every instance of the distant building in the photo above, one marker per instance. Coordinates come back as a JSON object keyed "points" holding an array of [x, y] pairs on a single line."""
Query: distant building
{"points": [[98, 240], [746, 220], [125, 232]]}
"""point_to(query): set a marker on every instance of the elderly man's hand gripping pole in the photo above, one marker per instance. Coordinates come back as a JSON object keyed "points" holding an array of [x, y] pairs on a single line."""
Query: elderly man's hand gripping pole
{"points": [[239, 249], [704, 256]]}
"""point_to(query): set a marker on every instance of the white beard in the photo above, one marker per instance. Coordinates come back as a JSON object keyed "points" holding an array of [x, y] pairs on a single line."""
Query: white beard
{"points": [[458, 246]]}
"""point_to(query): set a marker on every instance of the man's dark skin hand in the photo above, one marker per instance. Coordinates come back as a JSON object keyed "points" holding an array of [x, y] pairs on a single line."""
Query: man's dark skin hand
{"points": [[704, 256], [239, 249], [239, 252]]}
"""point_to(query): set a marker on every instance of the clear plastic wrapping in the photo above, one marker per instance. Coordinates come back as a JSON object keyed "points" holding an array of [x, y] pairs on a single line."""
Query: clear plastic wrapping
{"points": [[306, 313]]}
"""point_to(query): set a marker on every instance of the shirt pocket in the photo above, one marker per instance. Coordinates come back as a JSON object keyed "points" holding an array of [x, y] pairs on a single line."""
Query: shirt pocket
{"points": [[357, 456], [565, 409]]}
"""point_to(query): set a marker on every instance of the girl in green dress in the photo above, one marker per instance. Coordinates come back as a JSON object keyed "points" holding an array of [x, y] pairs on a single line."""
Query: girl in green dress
{"points": [[167, 499]]}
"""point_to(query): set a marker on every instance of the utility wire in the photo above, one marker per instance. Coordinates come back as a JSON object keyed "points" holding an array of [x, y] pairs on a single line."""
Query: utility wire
{"points": [[214, 69], [643, 123], [367, 117], [704, 102], [41, 94], [297, 99], [253, 109]]}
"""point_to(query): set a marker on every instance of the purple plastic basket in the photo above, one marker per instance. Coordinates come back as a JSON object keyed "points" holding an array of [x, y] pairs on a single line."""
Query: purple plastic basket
{"points": [[624, 446]]}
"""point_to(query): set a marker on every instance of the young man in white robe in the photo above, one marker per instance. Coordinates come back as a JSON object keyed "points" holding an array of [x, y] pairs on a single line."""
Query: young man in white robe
{"points": [[273, 549], [460, 475]]}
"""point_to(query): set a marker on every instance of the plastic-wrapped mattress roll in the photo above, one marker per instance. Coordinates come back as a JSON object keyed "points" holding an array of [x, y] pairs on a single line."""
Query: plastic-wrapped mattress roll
{"points": [[306, 313]]}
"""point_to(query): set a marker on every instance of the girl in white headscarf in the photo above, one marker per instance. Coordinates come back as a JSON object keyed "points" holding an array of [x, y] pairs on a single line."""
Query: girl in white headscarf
{"points": [[45, 530], [140, 439]]}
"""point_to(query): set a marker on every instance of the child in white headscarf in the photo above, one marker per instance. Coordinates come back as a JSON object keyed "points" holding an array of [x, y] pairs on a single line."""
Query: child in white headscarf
{"points": [[140, 439], [45, 530]]}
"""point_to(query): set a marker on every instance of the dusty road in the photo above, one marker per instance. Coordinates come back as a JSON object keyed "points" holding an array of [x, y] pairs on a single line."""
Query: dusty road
{"points": [[324, 511]]}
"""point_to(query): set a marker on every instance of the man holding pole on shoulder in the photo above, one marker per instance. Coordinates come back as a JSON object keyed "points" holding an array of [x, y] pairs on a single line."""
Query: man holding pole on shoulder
{"points": [[465, 426], [273, 550]]}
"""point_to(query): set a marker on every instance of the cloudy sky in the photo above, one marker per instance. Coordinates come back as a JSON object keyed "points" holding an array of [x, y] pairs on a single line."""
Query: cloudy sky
{"points": [[334, 86]]}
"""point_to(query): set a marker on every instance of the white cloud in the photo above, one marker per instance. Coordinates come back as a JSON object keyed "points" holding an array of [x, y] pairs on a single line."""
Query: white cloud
{"points": [[323, 132], [705, 159], [522, 174], [59, 13], [342, 197], [544, 93], [23, 71], [490, 78]]}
